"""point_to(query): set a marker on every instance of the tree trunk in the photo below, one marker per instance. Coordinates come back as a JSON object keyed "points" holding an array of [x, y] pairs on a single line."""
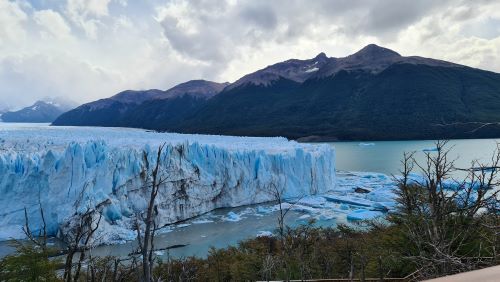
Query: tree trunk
{"points": [[68, 266], [147, 237], [380, 270]]}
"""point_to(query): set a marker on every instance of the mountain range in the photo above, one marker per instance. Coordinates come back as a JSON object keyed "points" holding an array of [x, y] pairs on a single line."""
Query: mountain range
{"points": [[152, 109], [374, 94], [43, 111]]}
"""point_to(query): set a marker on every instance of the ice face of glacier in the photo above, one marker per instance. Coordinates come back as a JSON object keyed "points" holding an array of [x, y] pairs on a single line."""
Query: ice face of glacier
{"points": [[66, 170]]}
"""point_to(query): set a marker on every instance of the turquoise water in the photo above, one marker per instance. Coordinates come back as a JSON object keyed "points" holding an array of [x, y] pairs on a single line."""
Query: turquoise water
{"points": [[385, 156]]}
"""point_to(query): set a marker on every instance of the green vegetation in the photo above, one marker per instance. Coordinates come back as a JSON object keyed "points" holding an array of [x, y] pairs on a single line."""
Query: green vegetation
{"points": [[29, 264]]}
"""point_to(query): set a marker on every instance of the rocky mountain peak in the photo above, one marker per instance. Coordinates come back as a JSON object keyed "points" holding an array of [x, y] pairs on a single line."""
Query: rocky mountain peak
{"points": [[321, 56], [198, 88], [136, 96], [373, 51]]}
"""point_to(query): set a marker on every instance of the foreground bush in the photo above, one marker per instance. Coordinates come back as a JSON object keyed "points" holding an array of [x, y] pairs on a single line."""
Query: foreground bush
{"points": [[29, 264]]}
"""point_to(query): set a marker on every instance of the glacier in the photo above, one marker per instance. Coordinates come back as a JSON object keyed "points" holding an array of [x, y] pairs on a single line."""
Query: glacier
{"points": [[68, 169]]}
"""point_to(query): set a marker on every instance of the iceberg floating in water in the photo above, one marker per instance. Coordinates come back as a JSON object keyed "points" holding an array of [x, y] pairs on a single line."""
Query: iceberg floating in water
{"points": [[68, 169], [364, 215], [232, 216], [264, 234], [366, 144]]}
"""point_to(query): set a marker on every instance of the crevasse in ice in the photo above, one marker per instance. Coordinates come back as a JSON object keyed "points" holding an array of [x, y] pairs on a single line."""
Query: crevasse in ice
{"points": [[68, 169]]}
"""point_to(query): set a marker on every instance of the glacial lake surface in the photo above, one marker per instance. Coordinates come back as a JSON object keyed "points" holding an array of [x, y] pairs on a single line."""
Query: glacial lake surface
{"points": [[225, 227], [385, 156]]}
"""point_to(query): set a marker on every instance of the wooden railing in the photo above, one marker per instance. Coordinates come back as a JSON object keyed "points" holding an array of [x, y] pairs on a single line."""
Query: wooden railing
{"points": [[356, 280], [409, 278]]}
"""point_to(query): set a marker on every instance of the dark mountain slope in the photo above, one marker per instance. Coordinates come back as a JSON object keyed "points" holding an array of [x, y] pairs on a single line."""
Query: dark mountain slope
{"points": [[163, 114], [146, 109], [404, 101]]}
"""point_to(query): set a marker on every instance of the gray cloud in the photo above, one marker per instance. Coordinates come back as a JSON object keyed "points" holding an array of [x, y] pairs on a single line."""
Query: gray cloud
{"points": [[222, 29], [393, 15], [86, 50], [260, 16]]}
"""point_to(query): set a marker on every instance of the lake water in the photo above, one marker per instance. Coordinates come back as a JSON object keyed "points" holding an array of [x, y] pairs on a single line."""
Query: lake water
{"points": [[215, 230], [385, 156]]}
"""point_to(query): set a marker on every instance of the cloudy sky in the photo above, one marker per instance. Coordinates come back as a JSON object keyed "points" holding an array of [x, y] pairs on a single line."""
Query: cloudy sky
{"points": [[89, 49]]}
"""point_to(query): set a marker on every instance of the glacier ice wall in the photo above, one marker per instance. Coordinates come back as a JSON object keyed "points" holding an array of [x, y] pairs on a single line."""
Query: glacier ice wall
{"points": [[67, 169]]}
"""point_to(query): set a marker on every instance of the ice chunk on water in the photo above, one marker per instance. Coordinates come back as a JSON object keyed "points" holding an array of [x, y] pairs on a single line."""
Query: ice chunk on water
{"points": [[344, 206], [363, 214], [202, 221], [366, 144], [232, 216], [350, 199], [264, 234], [312, 201]]}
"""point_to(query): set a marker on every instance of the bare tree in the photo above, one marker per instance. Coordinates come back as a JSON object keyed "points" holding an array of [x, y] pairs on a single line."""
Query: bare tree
{"points": [[38, 239], [162, 175], [146, 241], [285, 237], [441, 215], [268, 265], [79, 235]]}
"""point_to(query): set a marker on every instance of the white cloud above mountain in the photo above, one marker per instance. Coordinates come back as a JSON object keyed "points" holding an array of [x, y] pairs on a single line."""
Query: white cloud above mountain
{"points": [[86, 50]]}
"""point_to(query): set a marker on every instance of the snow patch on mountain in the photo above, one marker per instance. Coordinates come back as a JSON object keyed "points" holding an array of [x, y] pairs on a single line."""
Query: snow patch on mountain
{"points": [[311, 70]]}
